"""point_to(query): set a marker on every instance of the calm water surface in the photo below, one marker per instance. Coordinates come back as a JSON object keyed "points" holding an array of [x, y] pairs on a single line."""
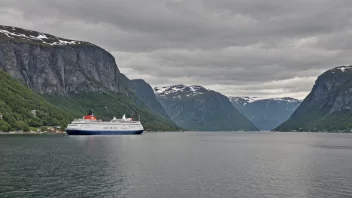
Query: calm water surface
{"points": [[177, 165]]}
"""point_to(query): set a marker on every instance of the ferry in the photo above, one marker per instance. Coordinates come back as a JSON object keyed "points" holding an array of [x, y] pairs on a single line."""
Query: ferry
{"points": [[89, 125]]}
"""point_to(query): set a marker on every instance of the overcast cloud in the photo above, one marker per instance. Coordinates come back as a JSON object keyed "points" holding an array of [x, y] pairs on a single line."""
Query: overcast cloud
{"points": [[268, 48]]}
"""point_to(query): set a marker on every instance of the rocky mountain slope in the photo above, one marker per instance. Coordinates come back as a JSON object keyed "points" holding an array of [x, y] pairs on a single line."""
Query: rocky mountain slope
{"points": [[196, 108], [266, 114], [73, 75], [146, 94], [328, 107]]}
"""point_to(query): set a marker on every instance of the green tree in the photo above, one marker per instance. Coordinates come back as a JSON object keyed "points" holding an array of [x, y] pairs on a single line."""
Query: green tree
{"points": [[20, 125], [35, 122], [4, 126]]}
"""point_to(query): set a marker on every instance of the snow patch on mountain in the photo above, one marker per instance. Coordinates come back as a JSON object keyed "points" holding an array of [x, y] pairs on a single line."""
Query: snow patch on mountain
{"points": [[34, 36], [179, 91], [252, 99], [286, 99], [246, 100], [341, 69]]}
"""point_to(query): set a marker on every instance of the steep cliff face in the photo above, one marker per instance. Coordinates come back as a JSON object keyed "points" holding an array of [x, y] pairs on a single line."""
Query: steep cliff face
{"points": [[266, 114], [146, 94], [328, 107], [49, 64], [196, 108]]}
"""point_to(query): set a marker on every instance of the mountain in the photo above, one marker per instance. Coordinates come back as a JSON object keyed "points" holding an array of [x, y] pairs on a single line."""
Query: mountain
{"points": [[146, 94], [328, 107], [197, 108], [241, 102], [49, 64], [266, 114], [73, 75], [17, 103]]}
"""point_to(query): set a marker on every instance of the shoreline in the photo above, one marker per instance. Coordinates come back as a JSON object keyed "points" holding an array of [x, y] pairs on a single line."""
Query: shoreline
{"points": [[30, 133], [64, 133]]}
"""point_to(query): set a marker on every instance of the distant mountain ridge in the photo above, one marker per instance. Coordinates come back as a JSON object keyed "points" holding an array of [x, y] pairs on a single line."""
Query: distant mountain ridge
{"points": [[244, 100], [266, 113], [328, 107], [247, 99], [180, 91], [197, 108]]}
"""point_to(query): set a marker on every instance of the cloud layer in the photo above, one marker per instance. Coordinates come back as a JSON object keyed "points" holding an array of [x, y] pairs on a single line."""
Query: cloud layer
{"points": [[266, 48]]}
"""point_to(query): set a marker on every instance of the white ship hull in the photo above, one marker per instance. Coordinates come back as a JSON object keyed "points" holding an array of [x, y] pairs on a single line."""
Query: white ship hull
{"points": [[84, 127]]}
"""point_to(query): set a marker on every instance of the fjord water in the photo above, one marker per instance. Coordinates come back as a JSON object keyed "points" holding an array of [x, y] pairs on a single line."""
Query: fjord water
{"points": [[216, 164]]}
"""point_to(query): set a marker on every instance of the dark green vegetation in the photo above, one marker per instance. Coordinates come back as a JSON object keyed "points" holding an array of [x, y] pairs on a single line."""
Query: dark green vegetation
{"points": [[196, 108], [16, 103], [317, 121], [106, 105], [266, 114], [328, 107]]}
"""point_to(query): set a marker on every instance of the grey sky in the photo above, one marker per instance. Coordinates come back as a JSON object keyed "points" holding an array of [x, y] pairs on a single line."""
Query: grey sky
{"points": [[268, 48]]}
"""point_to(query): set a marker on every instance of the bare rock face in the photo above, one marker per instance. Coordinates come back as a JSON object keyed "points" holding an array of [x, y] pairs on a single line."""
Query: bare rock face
{"points": [[328, 107], [146, 94], [53, 65]]}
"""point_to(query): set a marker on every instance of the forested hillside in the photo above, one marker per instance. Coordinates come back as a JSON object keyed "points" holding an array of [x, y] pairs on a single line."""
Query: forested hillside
{"points": [[17, 102]]}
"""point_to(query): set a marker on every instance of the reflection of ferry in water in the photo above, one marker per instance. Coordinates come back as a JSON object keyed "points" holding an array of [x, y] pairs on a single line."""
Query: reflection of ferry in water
{"points": [[89, 125]]}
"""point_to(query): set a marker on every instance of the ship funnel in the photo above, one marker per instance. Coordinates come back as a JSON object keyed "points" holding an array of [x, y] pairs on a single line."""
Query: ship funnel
{"points": [[90, 112]]}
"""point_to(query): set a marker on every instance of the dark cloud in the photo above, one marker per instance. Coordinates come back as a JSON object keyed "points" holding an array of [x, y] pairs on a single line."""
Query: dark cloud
{"points": [[238, 47]]}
